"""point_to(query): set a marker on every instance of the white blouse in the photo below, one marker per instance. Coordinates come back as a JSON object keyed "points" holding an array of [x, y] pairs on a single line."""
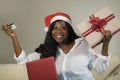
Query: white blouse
{"points": [[76, 64]]}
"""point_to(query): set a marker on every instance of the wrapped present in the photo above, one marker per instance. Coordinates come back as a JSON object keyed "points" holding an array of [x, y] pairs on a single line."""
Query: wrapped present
{"points": [[93, 27]]}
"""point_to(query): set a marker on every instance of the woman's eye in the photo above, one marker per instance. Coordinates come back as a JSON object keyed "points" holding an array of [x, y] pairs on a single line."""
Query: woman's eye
{"points": [[55, 28], [64, 27]]}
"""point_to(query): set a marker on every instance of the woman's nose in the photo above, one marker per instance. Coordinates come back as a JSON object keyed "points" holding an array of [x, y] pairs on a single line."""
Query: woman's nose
{"points": [[59, 30]]}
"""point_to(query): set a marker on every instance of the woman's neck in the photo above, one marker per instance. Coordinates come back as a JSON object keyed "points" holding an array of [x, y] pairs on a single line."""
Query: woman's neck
{"points": [[66, 47]]}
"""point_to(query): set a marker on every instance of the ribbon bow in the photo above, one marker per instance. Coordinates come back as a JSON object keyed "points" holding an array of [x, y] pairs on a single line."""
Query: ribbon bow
{"points": [[97, 23]]}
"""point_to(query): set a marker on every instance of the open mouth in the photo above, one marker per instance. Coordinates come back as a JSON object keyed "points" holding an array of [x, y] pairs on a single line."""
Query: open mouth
{"points": [[59, 36]]}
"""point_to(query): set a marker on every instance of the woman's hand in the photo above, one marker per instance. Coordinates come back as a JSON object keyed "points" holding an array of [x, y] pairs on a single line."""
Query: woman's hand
{"points": [[106, 39], [9, 31]]}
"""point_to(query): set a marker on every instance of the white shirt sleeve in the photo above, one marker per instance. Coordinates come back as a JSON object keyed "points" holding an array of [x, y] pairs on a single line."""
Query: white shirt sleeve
{"points": [[98, 62], [23, 57]]}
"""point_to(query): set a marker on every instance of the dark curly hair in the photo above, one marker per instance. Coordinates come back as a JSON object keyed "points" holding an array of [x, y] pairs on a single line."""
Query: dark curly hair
{"points": [[49, 48]]}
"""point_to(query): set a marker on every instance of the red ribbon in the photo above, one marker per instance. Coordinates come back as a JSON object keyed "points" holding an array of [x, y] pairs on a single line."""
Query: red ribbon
{"points": [[97, 24]]}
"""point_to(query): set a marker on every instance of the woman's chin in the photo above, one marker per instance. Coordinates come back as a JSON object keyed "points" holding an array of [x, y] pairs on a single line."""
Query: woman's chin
{"points": [[59, 41]]}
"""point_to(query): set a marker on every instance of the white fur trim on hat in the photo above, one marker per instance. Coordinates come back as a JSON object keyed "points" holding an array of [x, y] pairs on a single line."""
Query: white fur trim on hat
{"points": [[61, 18], [46, 29]]}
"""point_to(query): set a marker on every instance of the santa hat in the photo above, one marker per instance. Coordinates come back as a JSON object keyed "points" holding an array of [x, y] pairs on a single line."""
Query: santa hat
{"points": [[56, 16]]}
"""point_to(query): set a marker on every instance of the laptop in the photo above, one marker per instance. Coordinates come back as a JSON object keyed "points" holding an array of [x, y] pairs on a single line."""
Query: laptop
{"points": [[42, 69]]}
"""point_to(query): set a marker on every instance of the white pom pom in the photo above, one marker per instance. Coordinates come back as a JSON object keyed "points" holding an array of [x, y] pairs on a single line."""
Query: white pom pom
{"points": [[46, 29]]}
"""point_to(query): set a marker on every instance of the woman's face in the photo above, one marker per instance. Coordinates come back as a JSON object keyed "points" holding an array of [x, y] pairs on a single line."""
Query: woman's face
{"points": [[60, 32]]}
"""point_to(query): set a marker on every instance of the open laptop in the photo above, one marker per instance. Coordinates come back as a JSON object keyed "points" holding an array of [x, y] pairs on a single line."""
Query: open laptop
{"points": [[42, 69]]}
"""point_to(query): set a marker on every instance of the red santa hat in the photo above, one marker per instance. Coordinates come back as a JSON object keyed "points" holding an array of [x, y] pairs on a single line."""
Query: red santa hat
{"points": [[56, 16]]}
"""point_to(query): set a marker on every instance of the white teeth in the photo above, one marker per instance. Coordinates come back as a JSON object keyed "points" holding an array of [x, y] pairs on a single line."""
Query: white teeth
{"points": [[58, 36]]}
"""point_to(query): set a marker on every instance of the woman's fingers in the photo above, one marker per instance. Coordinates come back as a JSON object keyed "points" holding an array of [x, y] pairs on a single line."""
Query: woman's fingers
{"points": [[8, 30], [107, 36]]}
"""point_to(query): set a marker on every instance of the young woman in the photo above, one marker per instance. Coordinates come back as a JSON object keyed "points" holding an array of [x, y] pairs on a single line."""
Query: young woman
{"points": [[74, 58]]}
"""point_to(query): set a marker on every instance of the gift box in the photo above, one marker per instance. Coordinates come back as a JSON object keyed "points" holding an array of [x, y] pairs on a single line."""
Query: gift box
{"points": [[93, 27]]}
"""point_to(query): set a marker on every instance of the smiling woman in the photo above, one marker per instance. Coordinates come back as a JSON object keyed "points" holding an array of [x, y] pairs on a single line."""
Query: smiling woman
{"points": [[74, 58]]}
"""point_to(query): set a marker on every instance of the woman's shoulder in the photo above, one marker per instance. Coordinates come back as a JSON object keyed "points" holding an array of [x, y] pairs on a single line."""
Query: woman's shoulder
{"points": [[82, 41]]}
